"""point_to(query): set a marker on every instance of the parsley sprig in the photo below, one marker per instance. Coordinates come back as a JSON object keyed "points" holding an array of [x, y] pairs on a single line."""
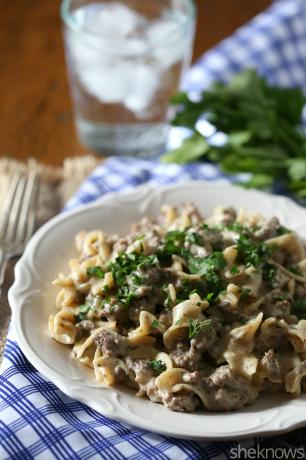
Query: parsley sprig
{"points": [[195, 326], [83, 311], [157, 365], [252, 252], [95, 271], [262, 124], [268, 272], [155, 323], [129, 265], [210, 268]]}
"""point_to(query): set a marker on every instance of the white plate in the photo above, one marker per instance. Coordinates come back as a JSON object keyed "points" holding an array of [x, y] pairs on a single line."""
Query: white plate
{"points": [[32, 297]]}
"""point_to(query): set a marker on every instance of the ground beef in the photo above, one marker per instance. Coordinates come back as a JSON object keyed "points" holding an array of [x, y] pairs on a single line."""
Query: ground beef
{"points": [[114, 310], [194, 377], [229, 315], [227, 391], [152, 276], [153, 392], [212, 238], [271, 387], [277, 308], [279, 280], [276, 340], [271, 365], [152, 242], [83, 328], [143, 372], [229, 215], [138, 305], [86, 325], [165, 318], [111, 343], [192, 212], [121, 245], [189, 357], [206, 338], [186, 358], [142, 291], [150, 294], [120, 374], [268, 229], [300, 290], [185, 401]]}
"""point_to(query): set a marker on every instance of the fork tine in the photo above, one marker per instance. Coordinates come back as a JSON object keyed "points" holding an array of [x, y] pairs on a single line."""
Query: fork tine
{"points": [[28, 202], [8, 204], [15, 210]]}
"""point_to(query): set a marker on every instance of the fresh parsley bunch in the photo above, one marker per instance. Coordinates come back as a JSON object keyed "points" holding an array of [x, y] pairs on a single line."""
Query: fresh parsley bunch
{"points": [[263, 128]]}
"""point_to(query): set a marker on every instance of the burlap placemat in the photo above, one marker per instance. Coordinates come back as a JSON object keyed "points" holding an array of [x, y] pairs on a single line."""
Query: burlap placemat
{"points": [[57, 185]]}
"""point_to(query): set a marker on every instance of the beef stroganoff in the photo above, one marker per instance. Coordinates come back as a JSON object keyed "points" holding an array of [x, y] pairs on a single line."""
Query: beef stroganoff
{"points": [[192, 313]]}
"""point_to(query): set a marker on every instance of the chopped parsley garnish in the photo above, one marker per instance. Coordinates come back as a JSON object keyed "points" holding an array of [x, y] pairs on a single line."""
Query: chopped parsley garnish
{"points": [[155, 323], [268, 272], [125, 294], [209, 296], [234, 270], [210, 268], [174, 244], [189, 287], [158, 365], [125, 264], [129, 265], [95, 271], [236, 227], [252, 252], [203, 265], [82, 312], [195, 326], [281, 230], [146, 261], [233, 227], [195, 238]]}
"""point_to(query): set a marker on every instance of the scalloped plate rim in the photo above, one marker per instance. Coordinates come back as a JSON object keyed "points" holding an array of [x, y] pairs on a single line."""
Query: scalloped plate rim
{"points": [[64, 383]]}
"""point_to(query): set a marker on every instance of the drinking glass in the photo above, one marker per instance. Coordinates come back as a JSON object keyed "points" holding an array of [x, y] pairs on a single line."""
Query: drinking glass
{"points": [[125, 60]]}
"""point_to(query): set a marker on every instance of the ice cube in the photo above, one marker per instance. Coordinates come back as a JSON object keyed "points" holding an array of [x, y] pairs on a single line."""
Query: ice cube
{"points": [[87, 50], [112, 19], [143, 86], [128, 83], [109, 84], [167, 42]]}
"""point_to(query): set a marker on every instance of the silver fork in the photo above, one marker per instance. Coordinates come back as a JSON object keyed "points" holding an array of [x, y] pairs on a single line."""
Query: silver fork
{"points": [[18, 219]]}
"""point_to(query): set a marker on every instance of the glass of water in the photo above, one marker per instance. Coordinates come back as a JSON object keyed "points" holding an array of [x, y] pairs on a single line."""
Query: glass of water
{"points": [[125, 60]]}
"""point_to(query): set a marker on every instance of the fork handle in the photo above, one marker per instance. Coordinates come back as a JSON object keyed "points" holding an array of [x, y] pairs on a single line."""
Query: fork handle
{"points": [[3, 260]]}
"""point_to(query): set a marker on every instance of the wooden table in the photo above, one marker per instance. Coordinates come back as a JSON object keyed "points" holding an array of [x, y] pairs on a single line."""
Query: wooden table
{"points": [[35, 111]]}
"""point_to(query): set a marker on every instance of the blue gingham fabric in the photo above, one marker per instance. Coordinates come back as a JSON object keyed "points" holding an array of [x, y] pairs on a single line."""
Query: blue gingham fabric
{"points": [[37, 421], [274, 43]]}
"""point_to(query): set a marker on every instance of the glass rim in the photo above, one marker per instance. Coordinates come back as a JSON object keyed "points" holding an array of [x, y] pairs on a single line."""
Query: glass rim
{"points": [[74, 25]]}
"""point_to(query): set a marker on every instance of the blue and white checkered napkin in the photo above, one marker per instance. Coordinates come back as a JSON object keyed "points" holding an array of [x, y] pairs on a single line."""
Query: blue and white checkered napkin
{"points": [[36, 419]]}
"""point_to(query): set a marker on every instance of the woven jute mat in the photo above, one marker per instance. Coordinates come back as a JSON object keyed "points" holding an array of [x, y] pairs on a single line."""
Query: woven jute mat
{"points": [[57, 185]]}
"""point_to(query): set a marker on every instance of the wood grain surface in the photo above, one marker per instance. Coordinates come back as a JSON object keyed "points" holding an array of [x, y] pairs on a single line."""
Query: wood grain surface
{"points": [[35, 111]]}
